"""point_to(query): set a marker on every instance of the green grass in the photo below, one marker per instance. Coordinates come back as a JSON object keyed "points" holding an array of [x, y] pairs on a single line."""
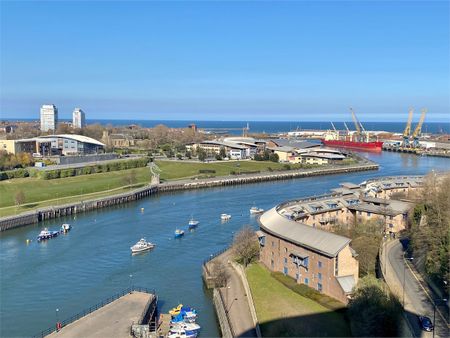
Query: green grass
{"points": [[283, 313], [178, 170], [37, 190]]}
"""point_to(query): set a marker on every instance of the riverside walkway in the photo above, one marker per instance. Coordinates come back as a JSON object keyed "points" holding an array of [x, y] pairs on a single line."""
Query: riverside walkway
{"points": [[112, 320]]}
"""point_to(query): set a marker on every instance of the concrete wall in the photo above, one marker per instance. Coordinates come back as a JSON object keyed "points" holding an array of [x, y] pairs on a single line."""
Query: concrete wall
{"points": [[225, 326], [86, 158]]}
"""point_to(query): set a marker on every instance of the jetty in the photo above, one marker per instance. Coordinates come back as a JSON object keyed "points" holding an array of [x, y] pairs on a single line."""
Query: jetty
{"points": [[117, 316]]}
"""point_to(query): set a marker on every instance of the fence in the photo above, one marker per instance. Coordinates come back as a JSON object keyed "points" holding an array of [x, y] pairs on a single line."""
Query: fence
{"points": [[94, 308]]}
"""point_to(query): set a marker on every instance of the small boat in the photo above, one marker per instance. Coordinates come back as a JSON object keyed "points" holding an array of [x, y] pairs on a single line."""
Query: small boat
{"points": [[142, 245], [182, 329], [225, 217], [256, 210], [176, 310], [179, 233], [46, 234], [193, 223], [65, 228]]}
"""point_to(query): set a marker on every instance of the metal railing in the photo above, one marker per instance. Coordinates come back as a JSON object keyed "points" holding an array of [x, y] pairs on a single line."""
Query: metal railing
{"points": [[94, 308]]}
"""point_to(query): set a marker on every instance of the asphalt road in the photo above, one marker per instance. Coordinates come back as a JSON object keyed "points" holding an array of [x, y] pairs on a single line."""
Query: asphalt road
{"points": [[417, 298]]}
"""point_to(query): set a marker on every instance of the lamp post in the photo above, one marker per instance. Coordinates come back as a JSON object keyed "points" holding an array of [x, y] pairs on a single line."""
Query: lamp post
{"points": [[229, 308], [131, 283], [435, 303], [404, 274]]}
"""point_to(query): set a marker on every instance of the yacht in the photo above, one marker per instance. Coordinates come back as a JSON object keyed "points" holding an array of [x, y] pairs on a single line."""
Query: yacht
{"points": [[225, 217], [142, 245], [256, 210], [46, 234]]}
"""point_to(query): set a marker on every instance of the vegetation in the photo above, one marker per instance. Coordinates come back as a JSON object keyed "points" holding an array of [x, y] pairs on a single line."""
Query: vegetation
{"points": [[38, 190], [19, 198], [245, 246], [11, 161], [366, 238], [220, 273], [308, 292], [430, 229], [282, 312], [374, 311]]}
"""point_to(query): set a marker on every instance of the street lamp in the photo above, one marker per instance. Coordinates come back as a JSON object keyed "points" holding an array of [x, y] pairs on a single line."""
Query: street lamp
{"points": [[131, 283], [228, 310], [404, 274], [435, 303], [57, 321]]}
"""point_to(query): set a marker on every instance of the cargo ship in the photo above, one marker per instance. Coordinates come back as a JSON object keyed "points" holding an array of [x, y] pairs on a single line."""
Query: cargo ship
{"points": [[358, 139]]}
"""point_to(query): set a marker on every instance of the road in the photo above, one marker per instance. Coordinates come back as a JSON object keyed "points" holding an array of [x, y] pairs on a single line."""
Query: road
{"points": [[417, 297]]}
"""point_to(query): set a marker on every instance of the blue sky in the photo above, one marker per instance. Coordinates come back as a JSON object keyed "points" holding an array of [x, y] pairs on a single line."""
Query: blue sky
{"points": [[216, 60]]}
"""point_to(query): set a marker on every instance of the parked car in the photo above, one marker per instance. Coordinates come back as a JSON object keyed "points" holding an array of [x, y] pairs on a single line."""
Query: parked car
{"points": [[425, 323]]}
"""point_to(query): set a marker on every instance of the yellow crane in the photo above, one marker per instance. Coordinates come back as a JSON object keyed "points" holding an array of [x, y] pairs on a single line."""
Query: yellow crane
{"points": [[418, 130], [407, 131]]}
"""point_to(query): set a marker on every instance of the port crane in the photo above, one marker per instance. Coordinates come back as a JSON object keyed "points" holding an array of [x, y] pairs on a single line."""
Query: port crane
{"points": [[407, 131], [360, 131], [418, 130]]}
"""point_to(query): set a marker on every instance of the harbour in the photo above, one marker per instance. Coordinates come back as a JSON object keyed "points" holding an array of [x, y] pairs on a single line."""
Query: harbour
{"points": [[94, 261]]}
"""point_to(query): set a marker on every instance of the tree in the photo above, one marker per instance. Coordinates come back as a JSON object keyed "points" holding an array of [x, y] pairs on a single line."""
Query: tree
{"points": [[19, 198], [274, 157], [220, 273], [374, 311], [130, 178], [245, 245], [429, 231], [222, 152], [201, 154]]}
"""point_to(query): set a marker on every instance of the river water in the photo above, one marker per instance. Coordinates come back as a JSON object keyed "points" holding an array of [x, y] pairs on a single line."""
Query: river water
{"points": [[75, 271]]}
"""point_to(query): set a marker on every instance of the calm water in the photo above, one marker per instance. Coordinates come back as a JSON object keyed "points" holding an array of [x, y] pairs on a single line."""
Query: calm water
{"points": [[75, 271], [275, 126]]}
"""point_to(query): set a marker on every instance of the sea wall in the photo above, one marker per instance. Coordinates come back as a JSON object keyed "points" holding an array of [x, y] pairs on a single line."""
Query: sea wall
{"points": [[225, 327], [31, 217]]}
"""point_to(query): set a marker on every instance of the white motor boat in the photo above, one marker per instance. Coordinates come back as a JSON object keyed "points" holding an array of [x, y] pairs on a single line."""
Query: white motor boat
{"points": [[65, 228], [46, 234], [193, 223], [183, 329], [225, 217], [256, 210], [142, 245]]}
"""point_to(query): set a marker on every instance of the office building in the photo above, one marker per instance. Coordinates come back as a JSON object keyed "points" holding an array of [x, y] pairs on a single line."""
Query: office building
{"points": [[78, 118]]}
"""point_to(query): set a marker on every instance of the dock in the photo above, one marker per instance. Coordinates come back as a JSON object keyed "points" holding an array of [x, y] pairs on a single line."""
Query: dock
{"points": [[113, 319]]}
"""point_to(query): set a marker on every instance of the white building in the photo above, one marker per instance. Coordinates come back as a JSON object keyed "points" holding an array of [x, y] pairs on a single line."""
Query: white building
{"points": [[78, 118], [49, 117]]}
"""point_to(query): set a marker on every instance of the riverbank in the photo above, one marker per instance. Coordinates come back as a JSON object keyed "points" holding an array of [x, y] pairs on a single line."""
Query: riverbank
{"points": [[38, 215]]}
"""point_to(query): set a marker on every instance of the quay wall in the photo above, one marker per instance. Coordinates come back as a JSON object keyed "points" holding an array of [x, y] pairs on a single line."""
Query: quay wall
{"points": [[32, 217], [225, 327]]}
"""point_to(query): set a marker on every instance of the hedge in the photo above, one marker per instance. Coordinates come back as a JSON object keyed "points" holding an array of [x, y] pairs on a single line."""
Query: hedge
{"points": [[207, 171], [17, 173], [308, 292]]}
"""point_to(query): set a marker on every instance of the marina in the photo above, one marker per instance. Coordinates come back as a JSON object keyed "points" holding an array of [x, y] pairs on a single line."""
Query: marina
{"points": [[69, 283]]}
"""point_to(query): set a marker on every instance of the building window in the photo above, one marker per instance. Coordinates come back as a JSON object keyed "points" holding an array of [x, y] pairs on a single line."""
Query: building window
{"points": [[319, 275], [360, 213], [319, 264], [297, 276], [285, 250], [271, 263], [285, 270], [273, 244], [368, 214], [306, 281], [273, 254], [285, 260], [319, 287], [336, 266], [390, 217]]}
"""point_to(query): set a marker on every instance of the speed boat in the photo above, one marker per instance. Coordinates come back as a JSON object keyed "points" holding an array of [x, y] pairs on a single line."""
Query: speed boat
{"points": [[193, 223], [142, 245], [256, 210], [182, 329], [65, 228], [225, 217], [46, 234], [176, 310], [179, 233]]}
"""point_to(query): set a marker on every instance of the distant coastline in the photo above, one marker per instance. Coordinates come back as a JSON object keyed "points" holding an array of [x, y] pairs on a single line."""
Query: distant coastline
{"points": [[263, 126]]}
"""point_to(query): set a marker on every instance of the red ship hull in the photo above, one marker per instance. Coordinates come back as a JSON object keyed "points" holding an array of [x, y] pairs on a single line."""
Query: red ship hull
{"points": [[367, 146]]}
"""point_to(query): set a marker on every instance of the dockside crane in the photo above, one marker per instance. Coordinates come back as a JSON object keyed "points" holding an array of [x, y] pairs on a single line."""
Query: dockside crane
{"points": [[357, 125], [407, 131], [418, 130]]}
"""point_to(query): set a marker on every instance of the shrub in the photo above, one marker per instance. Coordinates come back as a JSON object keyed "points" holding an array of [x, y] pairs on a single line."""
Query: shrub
{"points": [[207, 171]]}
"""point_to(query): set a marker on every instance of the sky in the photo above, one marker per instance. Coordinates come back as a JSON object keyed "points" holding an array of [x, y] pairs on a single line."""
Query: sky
{"points": [[226, 60]]}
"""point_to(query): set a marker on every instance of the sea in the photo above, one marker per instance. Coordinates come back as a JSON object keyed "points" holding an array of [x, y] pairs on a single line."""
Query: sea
{"points": [[235, 127]]}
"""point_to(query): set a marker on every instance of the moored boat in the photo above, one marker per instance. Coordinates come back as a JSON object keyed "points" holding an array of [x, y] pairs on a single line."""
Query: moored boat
{"points": [[142, 245], [225, 217], [46, 234], [193, 223], [179, 233], [256, 210], [65, 228]]}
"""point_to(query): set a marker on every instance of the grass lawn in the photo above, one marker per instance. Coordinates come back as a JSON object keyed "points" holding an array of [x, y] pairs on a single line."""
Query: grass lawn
{"points": [[36, 189], [177, 169], [283, 313]]}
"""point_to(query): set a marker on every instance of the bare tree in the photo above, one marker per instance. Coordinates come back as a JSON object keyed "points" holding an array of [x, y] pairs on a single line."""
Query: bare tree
{"points": [[220, 273], [19, 197], [245, 245]]}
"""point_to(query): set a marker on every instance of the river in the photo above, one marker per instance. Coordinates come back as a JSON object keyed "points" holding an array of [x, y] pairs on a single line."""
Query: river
{"points": [[74, 271]]}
